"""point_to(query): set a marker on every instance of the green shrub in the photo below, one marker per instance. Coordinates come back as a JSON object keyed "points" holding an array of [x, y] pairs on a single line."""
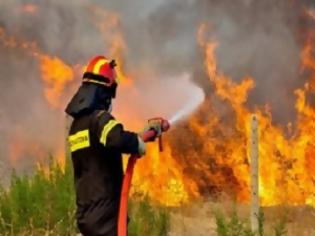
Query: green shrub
{"points": [[280, 228], [41, 203], [232, 226], [148, 220], [44, 204]]}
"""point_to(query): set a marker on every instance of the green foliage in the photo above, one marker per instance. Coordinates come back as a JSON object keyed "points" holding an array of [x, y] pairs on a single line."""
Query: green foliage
{"points": [[280, 228], [148, 220], [37, 204], [232, 226], [44, 204], [261, 222]]}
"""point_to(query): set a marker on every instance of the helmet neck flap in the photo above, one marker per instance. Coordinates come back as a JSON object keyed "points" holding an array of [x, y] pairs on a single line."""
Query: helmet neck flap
{"points": [[89, 97]]}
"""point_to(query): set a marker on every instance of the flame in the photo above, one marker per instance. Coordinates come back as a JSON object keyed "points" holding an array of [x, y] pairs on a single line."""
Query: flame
{"points": [[219, 135], [308, 60], [29, 8], [286, 163], [160, 177], [9, 41], [23, 151], [56, 75], [171, 186]]}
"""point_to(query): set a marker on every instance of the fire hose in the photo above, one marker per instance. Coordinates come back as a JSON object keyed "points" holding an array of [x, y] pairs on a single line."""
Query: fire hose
{"points": [[149, 135]]}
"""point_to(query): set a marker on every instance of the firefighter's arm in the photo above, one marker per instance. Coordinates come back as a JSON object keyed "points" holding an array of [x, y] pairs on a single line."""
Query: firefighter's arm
{"points": [[112, 135], [124, 141]]}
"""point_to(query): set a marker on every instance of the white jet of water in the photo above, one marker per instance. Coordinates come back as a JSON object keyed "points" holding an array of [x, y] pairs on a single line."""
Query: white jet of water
{"points": [[195, 98]]}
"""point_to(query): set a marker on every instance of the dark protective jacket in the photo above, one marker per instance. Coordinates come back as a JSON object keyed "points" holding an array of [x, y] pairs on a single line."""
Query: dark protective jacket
{"points": [[96, 143]]}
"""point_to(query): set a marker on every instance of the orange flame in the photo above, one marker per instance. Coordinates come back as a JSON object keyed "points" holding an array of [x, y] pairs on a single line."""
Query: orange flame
{"points": [[30, 8], [286, 163], [160, 177], [24, 151], [56, 75]]}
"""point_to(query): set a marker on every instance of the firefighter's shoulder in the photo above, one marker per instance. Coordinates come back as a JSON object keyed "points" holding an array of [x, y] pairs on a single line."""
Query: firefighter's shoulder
{"points": [[104, 123]]}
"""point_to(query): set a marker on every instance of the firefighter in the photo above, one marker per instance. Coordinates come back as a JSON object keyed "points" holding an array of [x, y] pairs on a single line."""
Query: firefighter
{"points": [[97, 141]]}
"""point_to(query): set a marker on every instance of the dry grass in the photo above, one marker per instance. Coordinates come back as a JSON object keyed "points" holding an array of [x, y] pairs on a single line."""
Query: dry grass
{"points": [[194, 220], [198, 219]]}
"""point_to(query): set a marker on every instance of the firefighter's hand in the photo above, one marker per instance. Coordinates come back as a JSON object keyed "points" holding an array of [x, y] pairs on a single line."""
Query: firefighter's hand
{"points": [[156, 127], [141, 147]]}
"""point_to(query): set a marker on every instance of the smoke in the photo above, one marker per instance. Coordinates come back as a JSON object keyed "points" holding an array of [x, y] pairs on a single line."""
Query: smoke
{"points": [[259, 39], [256, 38]]}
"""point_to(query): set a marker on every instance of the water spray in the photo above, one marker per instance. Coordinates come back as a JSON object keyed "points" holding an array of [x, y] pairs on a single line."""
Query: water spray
{"points": [[196, 98]]}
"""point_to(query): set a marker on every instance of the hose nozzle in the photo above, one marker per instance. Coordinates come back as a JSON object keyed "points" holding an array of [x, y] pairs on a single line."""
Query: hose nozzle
{"points": [[164, 126]]}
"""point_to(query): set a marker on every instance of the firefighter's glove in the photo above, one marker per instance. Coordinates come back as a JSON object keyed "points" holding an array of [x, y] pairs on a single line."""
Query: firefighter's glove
{"points": [[141, 147], [152, 125]]}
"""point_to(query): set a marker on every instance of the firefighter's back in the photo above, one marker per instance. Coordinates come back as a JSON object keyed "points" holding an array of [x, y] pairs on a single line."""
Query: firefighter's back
{"points": [[97, 173]]}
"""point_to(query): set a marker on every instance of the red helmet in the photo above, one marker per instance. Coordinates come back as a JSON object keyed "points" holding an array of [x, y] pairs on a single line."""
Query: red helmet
{"points": [[100, 70]]}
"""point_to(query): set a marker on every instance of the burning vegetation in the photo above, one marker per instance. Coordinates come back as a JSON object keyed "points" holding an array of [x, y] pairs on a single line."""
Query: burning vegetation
{"points": [[206, 154]]}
